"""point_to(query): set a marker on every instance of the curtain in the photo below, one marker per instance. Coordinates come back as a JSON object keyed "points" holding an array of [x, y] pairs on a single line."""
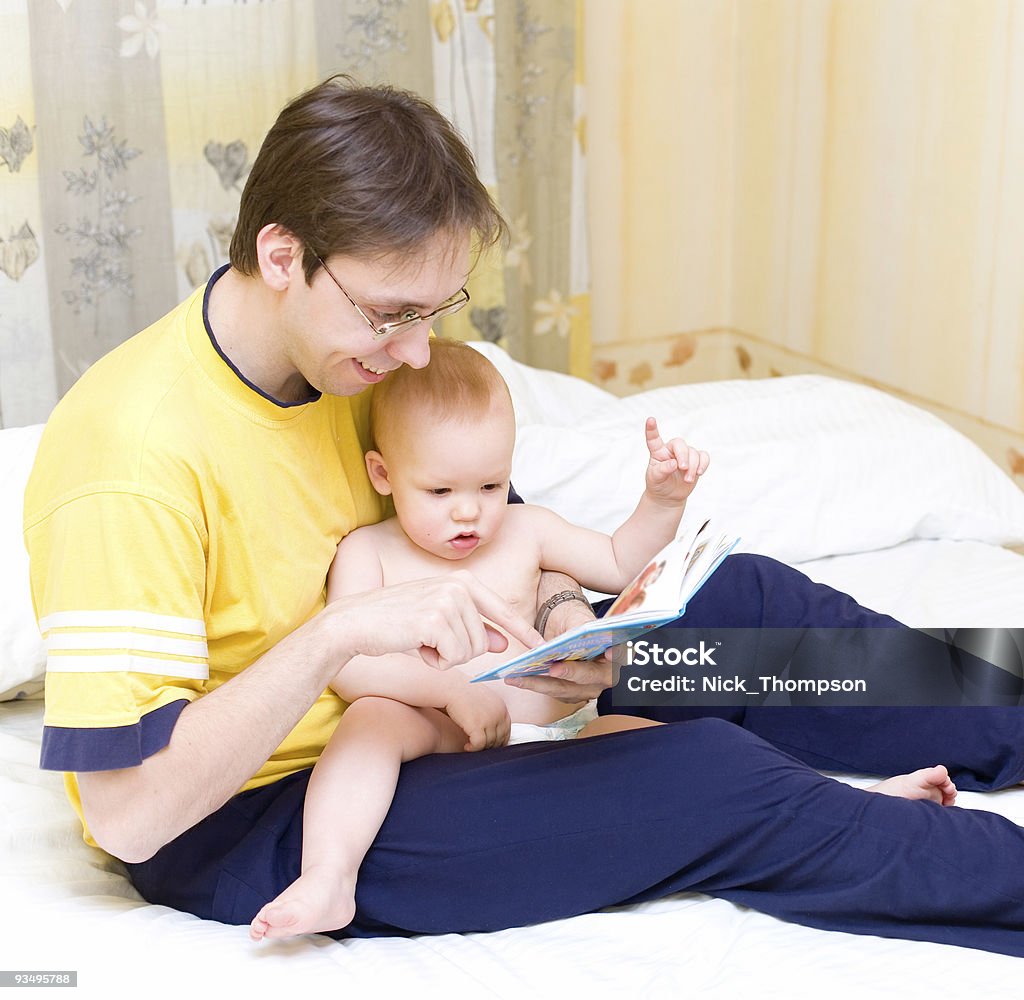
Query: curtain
{"points": [[836, 186], [127, 129]]}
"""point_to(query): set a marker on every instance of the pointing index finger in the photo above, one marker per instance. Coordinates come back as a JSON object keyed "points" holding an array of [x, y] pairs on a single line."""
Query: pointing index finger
{"points": [[655, 444], [498, 610]]}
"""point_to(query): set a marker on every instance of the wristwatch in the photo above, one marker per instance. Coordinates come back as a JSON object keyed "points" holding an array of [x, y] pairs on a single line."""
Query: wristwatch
{"points": [[552, 602]]}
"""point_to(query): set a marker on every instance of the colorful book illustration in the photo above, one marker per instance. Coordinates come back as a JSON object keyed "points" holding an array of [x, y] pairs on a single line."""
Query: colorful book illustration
{"points": [[657, 595]]}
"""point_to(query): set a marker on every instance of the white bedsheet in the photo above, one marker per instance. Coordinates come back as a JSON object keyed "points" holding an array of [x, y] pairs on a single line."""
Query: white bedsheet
{"points": [[932, 584], [67, 906]]}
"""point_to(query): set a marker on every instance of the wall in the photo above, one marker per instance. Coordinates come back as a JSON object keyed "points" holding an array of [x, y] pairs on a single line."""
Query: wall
{"points": [[780, 186]]}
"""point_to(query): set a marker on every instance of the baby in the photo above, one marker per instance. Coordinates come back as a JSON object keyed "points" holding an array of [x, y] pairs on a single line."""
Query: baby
{"points": [[444, 439]]}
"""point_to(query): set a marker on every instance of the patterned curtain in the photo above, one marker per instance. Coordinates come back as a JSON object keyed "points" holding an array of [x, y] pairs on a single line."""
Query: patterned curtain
{"points": [[127, 128]]}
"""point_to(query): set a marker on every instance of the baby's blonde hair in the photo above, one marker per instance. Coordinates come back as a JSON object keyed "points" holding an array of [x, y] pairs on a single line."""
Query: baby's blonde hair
{"points": [[458, 382]]}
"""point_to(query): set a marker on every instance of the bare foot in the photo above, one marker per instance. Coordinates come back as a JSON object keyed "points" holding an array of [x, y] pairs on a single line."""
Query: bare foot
{"points": [[931, 783], [320, 899]]}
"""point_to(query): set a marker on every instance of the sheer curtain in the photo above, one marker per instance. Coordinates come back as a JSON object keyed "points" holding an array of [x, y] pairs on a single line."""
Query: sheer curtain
{"points": [[127, 128]]}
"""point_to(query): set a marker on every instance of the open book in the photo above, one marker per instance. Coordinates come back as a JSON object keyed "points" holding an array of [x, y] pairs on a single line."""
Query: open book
{"points": [[657, 595]]}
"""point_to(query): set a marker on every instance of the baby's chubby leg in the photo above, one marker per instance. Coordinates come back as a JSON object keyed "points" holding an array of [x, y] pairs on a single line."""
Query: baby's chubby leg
{"points": [[348, 797], [615, 724]]}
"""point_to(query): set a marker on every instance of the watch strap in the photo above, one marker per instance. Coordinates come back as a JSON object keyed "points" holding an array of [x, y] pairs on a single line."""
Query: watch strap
{"points": [[552, 602]]}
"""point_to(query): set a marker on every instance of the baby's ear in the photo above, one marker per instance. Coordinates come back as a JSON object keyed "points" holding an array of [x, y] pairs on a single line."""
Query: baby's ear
{"points": [[378, 473]]}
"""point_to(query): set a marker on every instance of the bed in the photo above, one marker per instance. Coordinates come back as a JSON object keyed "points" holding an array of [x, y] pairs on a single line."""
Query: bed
{"points": [[859, 490]]}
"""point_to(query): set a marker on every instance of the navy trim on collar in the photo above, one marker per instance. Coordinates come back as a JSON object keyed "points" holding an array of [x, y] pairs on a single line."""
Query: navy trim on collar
{"points": [[216, 276]]}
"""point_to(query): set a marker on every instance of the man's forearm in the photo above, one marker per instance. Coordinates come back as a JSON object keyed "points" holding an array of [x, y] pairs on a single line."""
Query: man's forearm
{"points": [[575, 681], [218, 743], [566, 614], [223, 738]]}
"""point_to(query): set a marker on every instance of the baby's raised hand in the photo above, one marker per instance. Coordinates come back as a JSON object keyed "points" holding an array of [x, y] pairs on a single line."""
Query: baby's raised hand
{"points": [[674, 468]]}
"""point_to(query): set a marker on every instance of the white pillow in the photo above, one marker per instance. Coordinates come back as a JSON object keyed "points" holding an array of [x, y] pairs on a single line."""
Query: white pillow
{"points": [[543, 397], [22, 655], [802, 467]]}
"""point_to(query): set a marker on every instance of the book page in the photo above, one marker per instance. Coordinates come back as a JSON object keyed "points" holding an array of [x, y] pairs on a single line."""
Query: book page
{"points": [[658, 587], [656, 596]]}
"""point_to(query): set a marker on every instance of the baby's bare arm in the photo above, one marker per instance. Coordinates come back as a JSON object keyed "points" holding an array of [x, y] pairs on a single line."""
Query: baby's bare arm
{"points": [[590, 557], [356, 567], [608, 563], [400, 676]]}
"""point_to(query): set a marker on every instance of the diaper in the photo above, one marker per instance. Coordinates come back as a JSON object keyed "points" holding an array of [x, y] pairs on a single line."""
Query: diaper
{"points": [[564, 729]]}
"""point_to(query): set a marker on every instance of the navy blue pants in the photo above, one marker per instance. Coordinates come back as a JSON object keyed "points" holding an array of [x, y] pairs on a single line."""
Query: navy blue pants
{"points": [[541, 831], [982, 747]]}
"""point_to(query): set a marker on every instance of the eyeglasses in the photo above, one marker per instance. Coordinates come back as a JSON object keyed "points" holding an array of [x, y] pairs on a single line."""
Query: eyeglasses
{"points": [[408, 317]]}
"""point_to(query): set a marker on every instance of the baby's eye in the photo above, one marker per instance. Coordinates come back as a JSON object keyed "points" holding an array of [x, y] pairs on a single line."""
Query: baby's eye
{"points": [[441, 491], [491, 487]]}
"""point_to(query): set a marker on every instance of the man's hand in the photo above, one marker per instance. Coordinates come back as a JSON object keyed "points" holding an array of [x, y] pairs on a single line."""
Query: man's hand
{"points": [[439, 618], [572, 680], [481, 715], [674, 468]]}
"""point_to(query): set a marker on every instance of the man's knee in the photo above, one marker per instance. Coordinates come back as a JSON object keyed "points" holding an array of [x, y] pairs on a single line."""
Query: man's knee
{"points": [[715, 733], [733, 596], [684, 744], [704, 764]]}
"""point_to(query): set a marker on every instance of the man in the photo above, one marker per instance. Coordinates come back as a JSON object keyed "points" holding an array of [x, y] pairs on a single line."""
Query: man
{"points": [[186, 502]]}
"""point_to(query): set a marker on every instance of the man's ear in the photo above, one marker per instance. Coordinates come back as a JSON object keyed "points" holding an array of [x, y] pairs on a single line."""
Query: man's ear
{"points": [[378, 473], [279, 254]]}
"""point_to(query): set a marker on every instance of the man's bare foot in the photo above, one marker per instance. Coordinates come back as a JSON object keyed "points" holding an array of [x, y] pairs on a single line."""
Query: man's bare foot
{"points": [[931, 783], [320, 899]]}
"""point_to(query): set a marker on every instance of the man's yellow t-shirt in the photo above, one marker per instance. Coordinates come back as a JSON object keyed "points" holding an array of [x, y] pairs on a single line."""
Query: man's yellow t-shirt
{"points": [[180, 523]]}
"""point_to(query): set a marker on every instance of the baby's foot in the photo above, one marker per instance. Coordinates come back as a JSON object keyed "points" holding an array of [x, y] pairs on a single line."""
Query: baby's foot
{"points": [[320, 899], [928, 783]]}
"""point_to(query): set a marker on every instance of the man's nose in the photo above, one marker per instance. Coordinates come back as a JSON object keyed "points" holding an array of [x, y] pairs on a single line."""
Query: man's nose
{"points": [[411, 347]]}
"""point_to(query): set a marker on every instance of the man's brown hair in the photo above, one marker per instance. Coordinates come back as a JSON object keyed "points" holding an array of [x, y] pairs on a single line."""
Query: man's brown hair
{"points": [[458, 382], [364, 171]]}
